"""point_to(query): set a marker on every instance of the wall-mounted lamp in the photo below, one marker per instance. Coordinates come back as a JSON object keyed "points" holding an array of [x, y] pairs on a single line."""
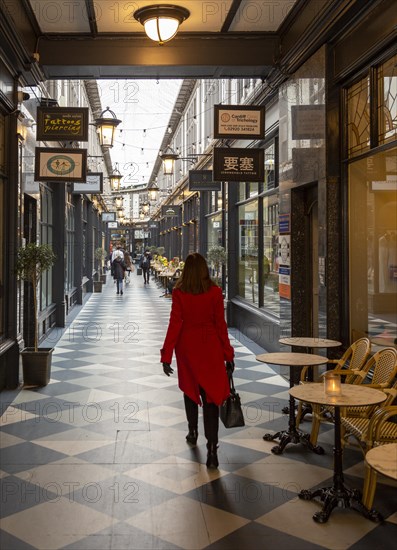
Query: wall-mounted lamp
{"points": [[115, 178], [105, 126], [145, 207], [169, 157], [153, 191], [118, 201], [169, 162], [141, 216], [161, 23]]}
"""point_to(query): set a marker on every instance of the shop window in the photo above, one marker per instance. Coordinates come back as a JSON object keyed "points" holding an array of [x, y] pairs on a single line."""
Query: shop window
{"points": [[387, 100], [46, 237], [358, 117], [270, 173], [70, 247], [271, 298], [373, 247], [214, 231], [248, 273]]}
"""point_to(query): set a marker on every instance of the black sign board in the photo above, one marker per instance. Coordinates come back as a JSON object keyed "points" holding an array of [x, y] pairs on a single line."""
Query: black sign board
{"points": [[238, 164], [239, 122], [153, 225], [201, 180], [170, 211], [62, 124]]}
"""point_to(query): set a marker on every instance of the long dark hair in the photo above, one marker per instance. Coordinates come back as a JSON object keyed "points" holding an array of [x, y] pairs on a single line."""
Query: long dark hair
{"points": [[195, 277]]}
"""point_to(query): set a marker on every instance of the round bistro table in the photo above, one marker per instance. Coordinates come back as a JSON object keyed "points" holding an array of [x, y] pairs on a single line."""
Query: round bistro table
{"points": [[309, 343], [338, 494], [382, 459], [293, 434]]}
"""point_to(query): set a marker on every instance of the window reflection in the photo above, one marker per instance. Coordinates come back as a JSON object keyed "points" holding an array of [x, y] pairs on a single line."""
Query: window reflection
{"points": [[248, 252], [373, 247]]}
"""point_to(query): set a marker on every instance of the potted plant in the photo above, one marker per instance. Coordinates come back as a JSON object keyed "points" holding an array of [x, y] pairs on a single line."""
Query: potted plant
{"points": [[217, 257], [32, 261], [100, 255]]}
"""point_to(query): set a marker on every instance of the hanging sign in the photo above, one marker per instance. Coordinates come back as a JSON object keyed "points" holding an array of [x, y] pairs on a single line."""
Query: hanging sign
{"points": [[112, 225], [170, 211], [92, 184], [239, 122], [108, 216], [62, 124], [238, 164], [308, 121], [58, 164], [201, 180]]}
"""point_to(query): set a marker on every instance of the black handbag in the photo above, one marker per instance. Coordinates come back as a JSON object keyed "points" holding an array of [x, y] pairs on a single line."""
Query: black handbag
{"points": [[230, 411]]}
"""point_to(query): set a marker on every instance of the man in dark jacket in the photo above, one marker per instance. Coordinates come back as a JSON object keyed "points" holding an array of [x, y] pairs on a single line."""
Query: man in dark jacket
{"points": [[119, 268], [144, 263]]}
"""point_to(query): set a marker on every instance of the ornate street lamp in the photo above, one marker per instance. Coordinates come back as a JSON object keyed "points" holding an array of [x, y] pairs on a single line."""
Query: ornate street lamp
{"points": [[153, 191], [145, 207], [169, 162], [118, 201], [105, 126], [115, 178]]}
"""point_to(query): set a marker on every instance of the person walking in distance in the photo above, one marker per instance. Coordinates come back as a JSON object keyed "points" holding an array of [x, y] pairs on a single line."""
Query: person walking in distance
{"points": [[144, 263], [119, 268], [197, 331], [129, 267]]}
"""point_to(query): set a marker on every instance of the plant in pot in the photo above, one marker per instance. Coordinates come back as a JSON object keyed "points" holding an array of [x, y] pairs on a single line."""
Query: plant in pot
{"points": [[32, 261], [100, 255], [217, 257]]}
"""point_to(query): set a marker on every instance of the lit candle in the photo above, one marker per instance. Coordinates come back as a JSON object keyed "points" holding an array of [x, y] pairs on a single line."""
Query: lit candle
{"points": [[332, 384]]}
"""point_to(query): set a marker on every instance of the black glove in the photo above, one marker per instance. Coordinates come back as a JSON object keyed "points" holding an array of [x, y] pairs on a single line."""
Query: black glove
{"points": [[230, 366], [167, 369]]}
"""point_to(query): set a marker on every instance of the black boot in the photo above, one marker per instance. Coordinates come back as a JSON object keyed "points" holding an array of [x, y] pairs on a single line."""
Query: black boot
{"points": [[212, 456], [192, 436]]}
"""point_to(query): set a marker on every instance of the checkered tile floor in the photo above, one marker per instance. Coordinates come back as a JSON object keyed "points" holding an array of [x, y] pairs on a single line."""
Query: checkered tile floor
{"points": [[98, 458]]}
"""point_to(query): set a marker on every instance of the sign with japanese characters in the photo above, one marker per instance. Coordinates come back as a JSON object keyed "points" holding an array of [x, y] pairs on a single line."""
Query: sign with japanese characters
{"points": [[238, 164], [58, 164], [62, 124], [239, 122]]}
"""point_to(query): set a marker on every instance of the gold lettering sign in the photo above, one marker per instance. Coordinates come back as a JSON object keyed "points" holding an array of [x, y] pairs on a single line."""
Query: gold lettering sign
{"points": [[62, 124]]}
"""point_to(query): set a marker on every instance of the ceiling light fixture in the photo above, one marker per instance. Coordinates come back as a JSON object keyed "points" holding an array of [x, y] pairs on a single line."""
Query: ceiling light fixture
{"points": [[161, 23]]}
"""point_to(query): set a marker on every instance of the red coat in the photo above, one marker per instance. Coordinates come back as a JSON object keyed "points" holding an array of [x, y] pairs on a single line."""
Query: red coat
{"points": [[198, 332]]}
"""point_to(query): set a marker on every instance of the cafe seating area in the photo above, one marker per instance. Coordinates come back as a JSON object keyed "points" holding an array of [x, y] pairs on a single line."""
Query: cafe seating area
{"points": [[98, 458]]}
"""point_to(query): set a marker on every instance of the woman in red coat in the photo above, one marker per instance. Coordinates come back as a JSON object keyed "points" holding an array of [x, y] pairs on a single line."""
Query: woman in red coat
{"points": [[197, 331]]}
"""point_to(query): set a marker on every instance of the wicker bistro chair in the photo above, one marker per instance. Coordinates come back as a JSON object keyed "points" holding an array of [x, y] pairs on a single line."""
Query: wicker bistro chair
{"points": [[375, 427], [348, 366], [383, 365]]}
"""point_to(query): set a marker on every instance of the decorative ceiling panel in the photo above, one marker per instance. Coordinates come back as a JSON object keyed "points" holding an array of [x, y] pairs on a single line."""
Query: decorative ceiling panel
{"points": [[260, 16], [60, 16], [118, 17]]}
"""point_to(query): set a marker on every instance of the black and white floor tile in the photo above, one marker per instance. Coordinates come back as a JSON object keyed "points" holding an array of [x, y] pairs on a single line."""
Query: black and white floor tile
{"points": [[98, 458]]}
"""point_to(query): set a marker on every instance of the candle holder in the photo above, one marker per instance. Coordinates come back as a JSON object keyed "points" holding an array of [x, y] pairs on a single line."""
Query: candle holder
{"points": [[332, 384]]}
